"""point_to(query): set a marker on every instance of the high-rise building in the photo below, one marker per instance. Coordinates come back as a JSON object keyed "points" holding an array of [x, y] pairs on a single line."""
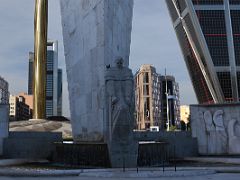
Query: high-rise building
{"points": [[170, 102], [209, 35], [30, 72], [59, 102], [53, 89], [148, 98], [185, 114], [19, 110]]}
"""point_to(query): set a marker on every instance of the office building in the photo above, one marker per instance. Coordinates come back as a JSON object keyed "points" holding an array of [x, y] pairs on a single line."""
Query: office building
{"points": [[28, 101], [19, 110], [30, 72], [53, 81], [209, 35], [185, 114], [59, 102], [148, 95], [170, 103]]}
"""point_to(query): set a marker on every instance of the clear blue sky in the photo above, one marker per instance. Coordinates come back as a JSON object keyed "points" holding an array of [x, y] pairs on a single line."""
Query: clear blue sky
{"points": [[153, 42]]}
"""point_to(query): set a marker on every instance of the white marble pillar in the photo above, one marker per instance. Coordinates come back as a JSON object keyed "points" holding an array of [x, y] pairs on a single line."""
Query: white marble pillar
{"points": [[95, 33], [4, 127]]}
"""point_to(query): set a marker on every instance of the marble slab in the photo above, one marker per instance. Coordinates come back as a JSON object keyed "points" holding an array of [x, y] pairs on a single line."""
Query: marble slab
{"points": [[217, 128]]}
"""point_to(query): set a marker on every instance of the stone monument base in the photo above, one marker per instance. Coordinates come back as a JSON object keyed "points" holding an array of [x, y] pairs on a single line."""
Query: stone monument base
{"points": [[30, 145]]}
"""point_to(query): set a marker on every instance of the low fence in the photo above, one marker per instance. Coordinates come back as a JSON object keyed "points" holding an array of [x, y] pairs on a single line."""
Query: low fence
{"points": [[82, 154], [153, 154], [91, 155]]}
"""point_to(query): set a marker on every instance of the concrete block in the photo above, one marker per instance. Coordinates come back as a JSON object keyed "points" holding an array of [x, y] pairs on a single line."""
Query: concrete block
{"points": [[30, 145], [217, 128], [4, 127]]}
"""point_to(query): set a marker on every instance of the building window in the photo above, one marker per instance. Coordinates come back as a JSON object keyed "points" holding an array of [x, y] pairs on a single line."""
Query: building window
{"points": [[207, 2], [225, 82], [146, 90], [146, 77]]}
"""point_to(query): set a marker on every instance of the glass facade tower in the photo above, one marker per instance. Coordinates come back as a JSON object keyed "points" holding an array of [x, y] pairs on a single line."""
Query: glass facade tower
{"points": [[53, 81], [59, 103], [209, 35]]}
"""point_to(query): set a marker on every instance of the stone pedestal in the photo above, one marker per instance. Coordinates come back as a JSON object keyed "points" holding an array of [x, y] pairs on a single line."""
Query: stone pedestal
{"points": [[4, 120], [95, 32]]}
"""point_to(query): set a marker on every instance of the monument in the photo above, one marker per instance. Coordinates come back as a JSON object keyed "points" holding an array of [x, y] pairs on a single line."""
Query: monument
{"points": [[95, 33]]}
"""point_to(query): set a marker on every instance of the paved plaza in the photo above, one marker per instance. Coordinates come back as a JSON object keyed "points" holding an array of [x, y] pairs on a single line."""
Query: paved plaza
{"points": [[220, 168], [191, 173], [218, 176]]}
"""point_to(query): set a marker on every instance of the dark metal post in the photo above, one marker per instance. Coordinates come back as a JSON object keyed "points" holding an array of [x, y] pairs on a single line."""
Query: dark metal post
{"points": [[175, 165], [163, 158], [137, 157], [174, 149]]}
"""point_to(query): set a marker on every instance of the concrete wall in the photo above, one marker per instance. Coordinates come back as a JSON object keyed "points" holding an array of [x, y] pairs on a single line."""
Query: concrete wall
{"points": [[4, 120], [30, 145], [181, 142], [95, 32], [217, 128]]}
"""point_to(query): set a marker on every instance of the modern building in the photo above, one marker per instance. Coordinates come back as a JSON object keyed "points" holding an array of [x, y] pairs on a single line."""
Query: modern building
{"points": [[30, 72], [170, 102], [19, 110], [29, 101], [59, 102], [4, 94], [148, 98], [209, 35], [53, 80], [185, 114]]}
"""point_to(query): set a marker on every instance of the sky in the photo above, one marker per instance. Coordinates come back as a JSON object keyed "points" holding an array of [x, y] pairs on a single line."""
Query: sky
{"points": [[153, 42]]}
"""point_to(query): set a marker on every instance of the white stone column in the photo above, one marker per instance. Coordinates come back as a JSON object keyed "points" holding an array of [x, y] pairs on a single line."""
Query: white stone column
{"points": [[95, 32], [4, 124]]}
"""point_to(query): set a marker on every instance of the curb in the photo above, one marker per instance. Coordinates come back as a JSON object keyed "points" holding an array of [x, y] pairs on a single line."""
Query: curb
{"points": [[35, 173], [147, 174]]}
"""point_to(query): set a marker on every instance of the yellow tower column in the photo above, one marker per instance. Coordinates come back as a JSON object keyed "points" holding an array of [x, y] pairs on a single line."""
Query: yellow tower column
{"points": [[40, 58]]}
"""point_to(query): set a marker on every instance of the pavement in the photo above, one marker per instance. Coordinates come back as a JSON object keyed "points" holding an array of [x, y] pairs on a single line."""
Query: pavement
{"points": [[215, 176], [15, 162], [11, 168], [105, 173], [207, 159]]}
